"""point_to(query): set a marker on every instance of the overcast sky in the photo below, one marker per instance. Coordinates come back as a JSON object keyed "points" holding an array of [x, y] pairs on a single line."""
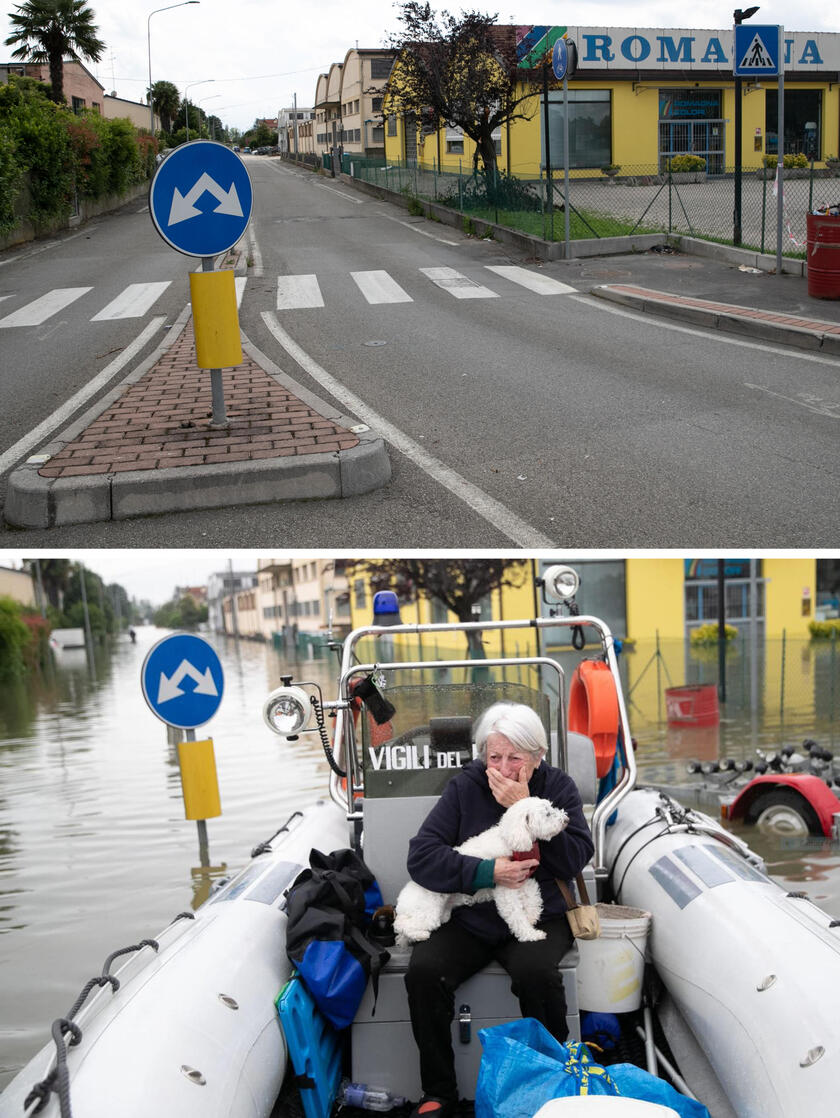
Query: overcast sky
{"points": [[260, 53], [147, 575]]}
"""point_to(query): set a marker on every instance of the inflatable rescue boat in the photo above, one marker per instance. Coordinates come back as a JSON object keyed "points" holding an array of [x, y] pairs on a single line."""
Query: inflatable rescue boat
{"points": [[729, 992]]}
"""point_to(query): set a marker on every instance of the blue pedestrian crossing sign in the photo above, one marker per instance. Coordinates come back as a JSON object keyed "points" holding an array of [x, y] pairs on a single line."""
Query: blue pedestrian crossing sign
{"points": [[182, 680], [200, 198], [758, 52]]}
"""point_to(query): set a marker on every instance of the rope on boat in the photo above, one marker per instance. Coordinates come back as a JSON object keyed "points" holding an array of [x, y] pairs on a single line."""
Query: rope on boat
{"points": [[265, 847], [58, 1079]]}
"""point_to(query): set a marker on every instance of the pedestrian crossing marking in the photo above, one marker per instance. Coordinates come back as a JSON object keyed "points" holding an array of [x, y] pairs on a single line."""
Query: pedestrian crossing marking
{"points": [[458, 285], [134, 302], [239, 283], [757, 56], [37, 312], [298, 293], [533, 281], [379, 287]]}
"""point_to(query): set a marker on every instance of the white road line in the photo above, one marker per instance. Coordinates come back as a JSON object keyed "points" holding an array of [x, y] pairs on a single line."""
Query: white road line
{"points": [[491, 510], [710, 333], [416, 229], [458, 285], [2, 297], [297, 292], [379, 287], [534, 281], [254, 251], [133, 302], [239, 283], [811, 403], [33, 314], [61, 415], [349, 197]]}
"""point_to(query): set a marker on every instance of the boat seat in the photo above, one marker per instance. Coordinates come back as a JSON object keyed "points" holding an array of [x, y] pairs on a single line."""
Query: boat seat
{"points": [[383, 1049]]}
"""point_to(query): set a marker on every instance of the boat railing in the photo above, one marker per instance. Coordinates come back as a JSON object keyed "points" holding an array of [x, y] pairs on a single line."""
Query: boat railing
{"points": [[345, 792]]}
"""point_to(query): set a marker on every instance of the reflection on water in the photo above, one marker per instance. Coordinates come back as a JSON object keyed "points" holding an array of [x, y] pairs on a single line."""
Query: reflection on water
{"points": [[95, 852]]}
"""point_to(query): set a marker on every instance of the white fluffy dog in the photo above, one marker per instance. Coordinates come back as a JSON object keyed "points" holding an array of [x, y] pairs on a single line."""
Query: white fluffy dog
{"points": [[420, 911]]}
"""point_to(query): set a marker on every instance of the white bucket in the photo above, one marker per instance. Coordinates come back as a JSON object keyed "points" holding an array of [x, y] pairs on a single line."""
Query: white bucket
{"points": [[611, 968]]}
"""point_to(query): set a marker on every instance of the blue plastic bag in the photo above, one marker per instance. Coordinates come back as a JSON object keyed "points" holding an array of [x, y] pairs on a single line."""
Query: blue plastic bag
{"points": [[523, 1067]]}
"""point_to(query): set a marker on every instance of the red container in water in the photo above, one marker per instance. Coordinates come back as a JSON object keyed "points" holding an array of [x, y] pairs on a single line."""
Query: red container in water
{"points": [[692, 706], [824, 256]]}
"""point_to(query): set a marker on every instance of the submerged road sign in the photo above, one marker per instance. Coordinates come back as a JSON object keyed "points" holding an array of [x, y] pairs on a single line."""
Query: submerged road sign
{"points": [[200, 198], [182, 680], [758, 50]]}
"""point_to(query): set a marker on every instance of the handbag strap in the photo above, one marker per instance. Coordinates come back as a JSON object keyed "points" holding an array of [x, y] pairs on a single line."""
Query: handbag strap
{"points": [[567, 896]]}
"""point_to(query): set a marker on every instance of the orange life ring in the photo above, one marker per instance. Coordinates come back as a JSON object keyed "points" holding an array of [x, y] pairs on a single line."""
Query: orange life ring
{"points": [[593, 710]]}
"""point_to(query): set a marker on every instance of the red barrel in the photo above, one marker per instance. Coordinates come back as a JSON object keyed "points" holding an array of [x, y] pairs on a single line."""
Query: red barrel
{"points": [[824, 256], [692, 706]]}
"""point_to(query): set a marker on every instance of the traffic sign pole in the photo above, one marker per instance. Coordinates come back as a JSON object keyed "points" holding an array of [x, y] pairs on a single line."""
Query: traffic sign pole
{"points": [[780, 158], [217, 390]]}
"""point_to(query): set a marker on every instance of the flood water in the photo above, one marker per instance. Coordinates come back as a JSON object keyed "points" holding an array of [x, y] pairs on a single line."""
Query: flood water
{"points": [[95, 853]]}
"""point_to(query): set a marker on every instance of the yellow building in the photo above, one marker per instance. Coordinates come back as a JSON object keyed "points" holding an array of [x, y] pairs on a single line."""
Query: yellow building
{"points": [[639, 97]]}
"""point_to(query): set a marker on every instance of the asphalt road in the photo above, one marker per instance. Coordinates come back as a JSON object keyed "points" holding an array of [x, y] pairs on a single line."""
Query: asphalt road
{"points": [[593, 426]]}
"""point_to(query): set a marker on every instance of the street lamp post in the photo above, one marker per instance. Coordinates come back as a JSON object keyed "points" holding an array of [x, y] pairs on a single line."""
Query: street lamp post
{"points": [[212, 97], [183, 4], [204, 81], [739, 16]]}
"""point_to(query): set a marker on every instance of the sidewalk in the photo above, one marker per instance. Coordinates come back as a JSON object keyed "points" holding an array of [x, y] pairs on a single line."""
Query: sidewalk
{"points": [[148, 446]]}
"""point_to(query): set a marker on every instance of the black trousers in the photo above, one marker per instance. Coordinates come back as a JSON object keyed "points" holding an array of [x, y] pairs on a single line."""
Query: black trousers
{"points": [[449, 957]]}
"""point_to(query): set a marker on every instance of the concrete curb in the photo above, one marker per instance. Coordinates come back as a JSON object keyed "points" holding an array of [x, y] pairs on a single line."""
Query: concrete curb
{"points": [[730, 321], [33, 501]]}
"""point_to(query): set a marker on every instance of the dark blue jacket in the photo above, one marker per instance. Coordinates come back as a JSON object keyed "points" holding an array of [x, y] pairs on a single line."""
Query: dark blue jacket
{"points": [[467, 807]]}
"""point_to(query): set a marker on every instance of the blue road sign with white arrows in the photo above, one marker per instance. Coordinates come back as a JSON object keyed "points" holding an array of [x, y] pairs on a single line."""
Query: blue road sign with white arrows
{"points": [[182, 680], [200, 198], [757, 50]]}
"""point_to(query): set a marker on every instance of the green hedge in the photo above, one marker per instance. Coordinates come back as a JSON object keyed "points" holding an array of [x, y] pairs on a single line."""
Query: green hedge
{"points": [[824, 630], [60, 152], [708, 634]]}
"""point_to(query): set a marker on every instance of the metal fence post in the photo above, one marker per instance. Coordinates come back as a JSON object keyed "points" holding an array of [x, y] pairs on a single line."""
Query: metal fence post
{"points": [[833, 670], [670, 187], [763, 206], [782, 684]]}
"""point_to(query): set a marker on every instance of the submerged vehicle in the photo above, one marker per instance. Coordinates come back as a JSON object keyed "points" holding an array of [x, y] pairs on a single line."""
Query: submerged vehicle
{"points": [[727, 989], [790, 791]]}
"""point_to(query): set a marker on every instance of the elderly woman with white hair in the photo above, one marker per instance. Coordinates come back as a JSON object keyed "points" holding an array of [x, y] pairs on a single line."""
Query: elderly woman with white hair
{"points": [[511, 765]]}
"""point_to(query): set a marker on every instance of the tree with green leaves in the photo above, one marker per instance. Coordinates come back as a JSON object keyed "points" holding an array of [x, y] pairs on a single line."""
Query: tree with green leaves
{"points": [[52, 30], [166, 101], [459, 71]]}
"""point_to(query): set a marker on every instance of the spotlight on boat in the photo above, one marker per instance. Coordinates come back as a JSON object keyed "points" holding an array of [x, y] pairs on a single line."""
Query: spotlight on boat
{"points": [[287, 711], [560, 583]]}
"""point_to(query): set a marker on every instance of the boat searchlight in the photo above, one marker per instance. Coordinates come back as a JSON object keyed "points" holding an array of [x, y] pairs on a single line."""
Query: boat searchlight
{"points": [[287, 711], [560, 583]]}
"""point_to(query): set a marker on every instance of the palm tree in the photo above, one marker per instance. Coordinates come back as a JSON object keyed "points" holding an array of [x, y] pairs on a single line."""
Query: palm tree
{"points": [[50, 30], [166, 101]]}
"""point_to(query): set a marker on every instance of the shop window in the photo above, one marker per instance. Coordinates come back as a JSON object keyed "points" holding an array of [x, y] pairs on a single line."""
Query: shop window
{"points": [[803, 122], [380, 69], [590, 128], [454, 147], [392, 124]]}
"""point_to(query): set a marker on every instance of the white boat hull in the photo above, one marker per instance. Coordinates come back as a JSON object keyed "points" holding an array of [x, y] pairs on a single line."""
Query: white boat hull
{"points": [[755, 972], [193, 1031]]}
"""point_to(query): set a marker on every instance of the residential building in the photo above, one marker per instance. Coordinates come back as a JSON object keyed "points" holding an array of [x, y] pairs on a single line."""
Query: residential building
{"points": [[17, 585], [639, 97], [81, 88], [219, 585], [290, 123], [114, 108]]}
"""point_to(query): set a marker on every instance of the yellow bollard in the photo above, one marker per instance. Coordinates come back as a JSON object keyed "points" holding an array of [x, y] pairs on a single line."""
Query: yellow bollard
{"points": [[199, 783], [215, 320]]}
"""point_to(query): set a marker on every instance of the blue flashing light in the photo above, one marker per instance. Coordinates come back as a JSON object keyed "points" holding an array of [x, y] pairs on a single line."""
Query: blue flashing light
{"points": [[386, 608]]}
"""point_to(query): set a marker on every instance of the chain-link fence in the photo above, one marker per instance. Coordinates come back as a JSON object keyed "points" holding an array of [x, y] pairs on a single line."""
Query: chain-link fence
{"points": [[632, 200]]}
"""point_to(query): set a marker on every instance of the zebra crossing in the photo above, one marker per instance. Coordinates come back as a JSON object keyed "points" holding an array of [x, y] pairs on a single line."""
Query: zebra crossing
{"points": [[294, 292]]}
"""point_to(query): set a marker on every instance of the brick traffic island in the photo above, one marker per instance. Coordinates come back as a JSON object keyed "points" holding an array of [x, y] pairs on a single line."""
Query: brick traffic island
{"points": [[164, 421]]}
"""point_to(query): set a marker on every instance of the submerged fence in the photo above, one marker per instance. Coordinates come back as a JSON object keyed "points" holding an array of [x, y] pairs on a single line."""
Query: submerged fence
{"points": [[633, 200]]}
